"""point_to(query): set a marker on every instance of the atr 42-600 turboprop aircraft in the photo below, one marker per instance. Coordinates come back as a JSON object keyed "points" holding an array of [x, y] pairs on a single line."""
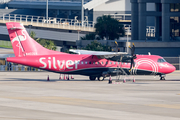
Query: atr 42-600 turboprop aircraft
{"points": [[94, 64]]}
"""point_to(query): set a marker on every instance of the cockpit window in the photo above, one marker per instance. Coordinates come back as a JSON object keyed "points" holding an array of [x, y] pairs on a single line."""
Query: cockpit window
{"points": [[161, 60]]}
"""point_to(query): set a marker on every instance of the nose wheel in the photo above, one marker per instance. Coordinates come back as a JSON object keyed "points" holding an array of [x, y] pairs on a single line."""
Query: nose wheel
{"points": [[162, 77]]}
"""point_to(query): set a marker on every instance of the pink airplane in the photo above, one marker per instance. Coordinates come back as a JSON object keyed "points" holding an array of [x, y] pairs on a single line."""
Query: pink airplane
{"points": [[95, 64]]}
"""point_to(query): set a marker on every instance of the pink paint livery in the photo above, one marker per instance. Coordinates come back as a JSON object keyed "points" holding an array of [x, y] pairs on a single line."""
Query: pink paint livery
{"points": [[30, 53]]}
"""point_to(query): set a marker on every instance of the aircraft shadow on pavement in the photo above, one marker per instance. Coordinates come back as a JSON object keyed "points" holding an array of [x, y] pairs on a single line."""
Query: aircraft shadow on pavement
{"points": [[40, 80], [172, 80]]}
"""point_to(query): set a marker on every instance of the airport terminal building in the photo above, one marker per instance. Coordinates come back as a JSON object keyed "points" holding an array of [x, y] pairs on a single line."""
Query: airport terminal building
{"points": [[166, 17]]}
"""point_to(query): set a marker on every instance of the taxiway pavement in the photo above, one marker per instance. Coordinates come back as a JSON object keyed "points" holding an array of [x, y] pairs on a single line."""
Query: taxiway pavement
{"points": [[29, 96]]}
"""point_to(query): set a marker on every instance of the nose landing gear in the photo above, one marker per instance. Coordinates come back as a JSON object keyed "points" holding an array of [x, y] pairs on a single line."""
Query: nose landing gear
{"points": [[162, 77]]}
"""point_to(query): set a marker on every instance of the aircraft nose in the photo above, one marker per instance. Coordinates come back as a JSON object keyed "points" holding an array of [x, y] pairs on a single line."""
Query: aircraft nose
{"points": [[171, 68]]}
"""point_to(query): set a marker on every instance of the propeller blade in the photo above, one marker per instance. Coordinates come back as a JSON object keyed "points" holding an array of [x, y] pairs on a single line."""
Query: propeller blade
{"points": [[132, 61], [116, 46], [133, 49]]}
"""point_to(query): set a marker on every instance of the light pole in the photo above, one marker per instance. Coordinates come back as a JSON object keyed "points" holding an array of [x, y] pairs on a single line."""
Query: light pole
{"points": [[127, 39], [78, 33], [82, 12], [47, 11]]}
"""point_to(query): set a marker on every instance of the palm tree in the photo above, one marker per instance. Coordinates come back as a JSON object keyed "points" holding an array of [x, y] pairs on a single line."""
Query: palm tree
{"points": [[90, 36], [49, 44], [96, 46]]}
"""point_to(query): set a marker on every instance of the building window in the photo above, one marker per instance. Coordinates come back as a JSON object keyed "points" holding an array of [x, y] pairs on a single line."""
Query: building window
{"points": [[175, 7], [175, 27]]}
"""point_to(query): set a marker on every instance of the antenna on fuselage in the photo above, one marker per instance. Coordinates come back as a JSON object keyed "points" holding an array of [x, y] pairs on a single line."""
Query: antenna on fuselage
{"points": [[149, 53]]}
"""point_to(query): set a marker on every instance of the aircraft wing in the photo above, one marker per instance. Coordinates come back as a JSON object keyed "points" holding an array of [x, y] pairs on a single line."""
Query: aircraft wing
{"points": [[99, 54]]}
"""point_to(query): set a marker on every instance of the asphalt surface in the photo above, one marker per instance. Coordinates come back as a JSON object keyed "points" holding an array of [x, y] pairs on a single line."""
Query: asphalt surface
{"points": [[29, 96]]}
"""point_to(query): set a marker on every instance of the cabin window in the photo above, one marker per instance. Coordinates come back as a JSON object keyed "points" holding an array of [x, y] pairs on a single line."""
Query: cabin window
{"points": [[114, 62], [90, 62], [94, 63], [110, 62], [85, 62], [161, 60], [125, 63], [106, 63], [118, 62], [122, 63], [101, 62], [81, 62]]}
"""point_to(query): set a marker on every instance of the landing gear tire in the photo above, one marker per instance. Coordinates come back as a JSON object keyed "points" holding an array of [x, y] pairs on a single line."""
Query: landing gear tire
{"points": [[100, 78], [162, 78], [92, 77]]}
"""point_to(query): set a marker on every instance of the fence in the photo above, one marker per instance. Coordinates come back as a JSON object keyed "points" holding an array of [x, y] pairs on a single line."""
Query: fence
{"points": [[150, 30], [5, 44], [51, 0], [4, 1], [17, 68], [51, 22]]}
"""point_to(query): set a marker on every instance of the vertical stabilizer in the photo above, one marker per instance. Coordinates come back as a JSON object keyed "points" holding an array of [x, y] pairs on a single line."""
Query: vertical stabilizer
{"points": [[23, 44]]}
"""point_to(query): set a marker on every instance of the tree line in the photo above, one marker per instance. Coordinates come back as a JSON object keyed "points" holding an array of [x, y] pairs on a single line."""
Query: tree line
{"points": [[106, 28]]}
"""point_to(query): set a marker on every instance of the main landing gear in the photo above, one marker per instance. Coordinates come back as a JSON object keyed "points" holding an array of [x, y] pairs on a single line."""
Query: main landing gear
{"points": [[94, 78], [162, 77], [100, 78]]}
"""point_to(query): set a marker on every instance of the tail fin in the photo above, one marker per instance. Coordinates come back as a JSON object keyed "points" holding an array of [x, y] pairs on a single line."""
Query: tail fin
{"points": [[23, 44]]}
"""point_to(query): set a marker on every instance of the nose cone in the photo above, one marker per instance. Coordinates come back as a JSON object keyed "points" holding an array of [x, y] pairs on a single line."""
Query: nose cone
{"points": [[167, 68], [171, 68]]}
